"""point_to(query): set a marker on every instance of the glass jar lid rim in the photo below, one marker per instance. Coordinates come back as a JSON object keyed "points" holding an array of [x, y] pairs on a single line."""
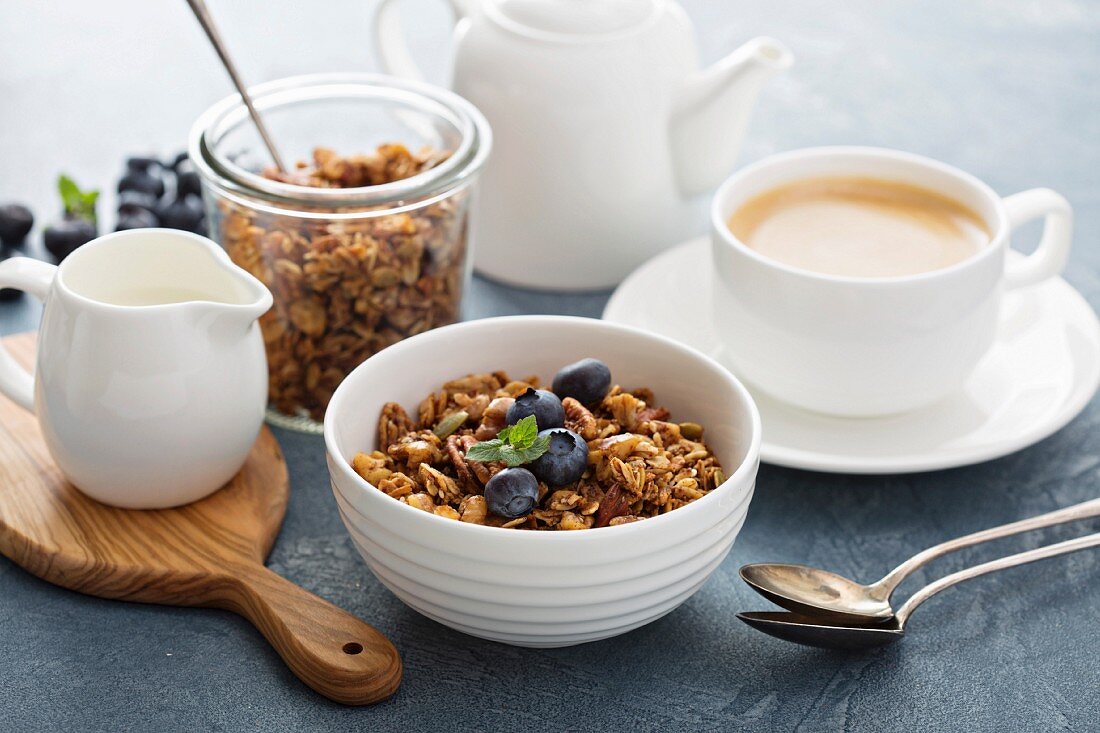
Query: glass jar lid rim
{"points": [[464, 162]]}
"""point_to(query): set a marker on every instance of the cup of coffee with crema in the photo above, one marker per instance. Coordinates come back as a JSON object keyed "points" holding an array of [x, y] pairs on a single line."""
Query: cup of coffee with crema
{"points": [[864, 281]]}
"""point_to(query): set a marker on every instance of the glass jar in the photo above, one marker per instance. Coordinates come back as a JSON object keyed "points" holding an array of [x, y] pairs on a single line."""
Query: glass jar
{"points": [[352, 270]]}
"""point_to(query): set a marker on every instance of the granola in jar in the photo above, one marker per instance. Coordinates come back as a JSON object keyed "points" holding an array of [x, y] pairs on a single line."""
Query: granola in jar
{"points": [[361, 245], [587, 459], [345, 290]]}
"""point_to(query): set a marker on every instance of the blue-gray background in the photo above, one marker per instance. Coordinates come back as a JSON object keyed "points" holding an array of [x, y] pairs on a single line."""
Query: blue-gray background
{"points": [[1004, 88]]}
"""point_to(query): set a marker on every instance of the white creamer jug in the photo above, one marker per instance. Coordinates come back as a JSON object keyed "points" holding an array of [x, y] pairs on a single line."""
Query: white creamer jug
{"points": [[605, 128], [150, 380]]}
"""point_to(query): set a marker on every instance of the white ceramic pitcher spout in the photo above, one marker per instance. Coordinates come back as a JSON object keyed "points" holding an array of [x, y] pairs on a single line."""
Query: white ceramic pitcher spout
{"points": [[231, 318], [150, 380], [605, 128]]}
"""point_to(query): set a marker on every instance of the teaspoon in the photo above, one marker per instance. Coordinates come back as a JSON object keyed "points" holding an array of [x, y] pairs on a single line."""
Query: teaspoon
{"points": [[819, 632], [198, 7], [827, 596]]}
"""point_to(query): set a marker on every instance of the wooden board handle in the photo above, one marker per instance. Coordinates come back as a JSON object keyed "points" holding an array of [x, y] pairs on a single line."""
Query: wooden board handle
{"points": [[333, 652]]}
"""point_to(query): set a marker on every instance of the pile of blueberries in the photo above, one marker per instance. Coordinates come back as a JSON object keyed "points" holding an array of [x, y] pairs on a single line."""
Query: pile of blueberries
{"points": [[16, 222], [151, 193], [514, 492]]}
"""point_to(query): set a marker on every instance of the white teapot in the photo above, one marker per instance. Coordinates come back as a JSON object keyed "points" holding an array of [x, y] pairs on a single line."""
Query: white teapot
{"points": [[604, 129]]}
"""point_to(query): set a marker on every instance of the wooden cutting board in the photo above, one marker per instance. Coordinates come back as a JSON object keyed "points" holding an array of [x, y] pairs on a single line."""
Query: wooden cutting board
{"points": [[210, 553]]}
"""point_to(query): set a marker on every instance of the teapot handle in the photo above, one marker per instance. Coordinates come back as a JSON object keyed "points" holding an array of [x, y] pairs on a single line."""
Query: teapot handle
{"points": [[389, 39], [34, 277]]}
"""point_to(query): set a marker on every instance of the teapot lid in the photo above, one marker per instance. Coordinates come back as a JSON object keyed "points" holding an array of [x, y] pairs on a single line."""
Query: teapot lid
{"points": [[573, 17]]}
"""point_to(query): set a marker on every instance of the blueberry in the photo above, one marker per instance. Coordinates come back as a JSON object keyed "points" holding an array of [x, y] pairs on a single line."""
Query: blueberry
{"points": [[187, 183], [66, 235], [184, 213], [136, 180], [177, 161], [137, 219], [16, 221], [8, 293], [142, 163], [187, 178], [132, 201], [586, 381], [512, 493], [564, 461], [545, 406]]}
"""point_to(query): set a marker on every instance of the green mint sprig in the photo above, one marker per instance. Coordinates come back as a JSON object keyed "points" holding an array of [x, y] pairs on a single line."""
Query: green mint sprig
{"points": [[77, 203], [515, 445]]}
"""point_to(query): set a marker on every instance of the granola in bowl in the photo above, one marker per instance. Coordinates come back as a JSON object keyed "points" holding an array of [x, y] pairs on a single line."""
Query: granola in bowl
{"points": [[487, 449], [544, 588]]}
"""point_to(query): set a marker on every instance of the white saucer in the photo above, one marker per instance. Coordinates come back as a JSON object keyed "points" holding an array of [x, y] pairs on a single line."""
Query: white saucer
{"points": [[1041, 372]]}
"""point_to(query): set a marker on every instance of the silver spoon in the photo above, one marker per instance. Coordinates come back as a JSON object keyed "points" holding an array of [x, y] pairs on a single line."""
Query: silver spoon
{"points": [[207, 23], [817, 632], [830, 597]]}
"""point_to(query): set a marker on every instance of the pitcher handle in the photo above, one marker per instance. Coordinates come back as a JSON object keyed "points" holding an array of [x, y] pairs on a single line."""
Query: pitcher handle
{"points": [[1049, 258], [34, 277], [389, 39]]}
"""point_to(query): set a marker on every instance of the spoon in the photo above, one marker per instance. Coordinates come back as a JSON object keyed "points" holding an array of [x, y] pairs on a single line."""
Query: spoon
{"points": [[207, 23], [815, 631], [827, 596]]}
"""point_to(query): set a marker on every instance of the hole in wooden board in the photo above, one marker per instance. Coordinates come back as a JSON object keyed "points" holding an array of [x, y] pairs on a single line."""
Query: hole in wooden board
{"points": [[353, 647]]}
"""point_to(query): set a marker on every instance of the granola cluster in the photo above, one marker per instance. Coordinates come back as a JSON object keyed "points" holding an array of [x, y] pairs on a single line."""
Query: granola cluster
{"points": [[347, 288], [390, 162], [640, 464]]}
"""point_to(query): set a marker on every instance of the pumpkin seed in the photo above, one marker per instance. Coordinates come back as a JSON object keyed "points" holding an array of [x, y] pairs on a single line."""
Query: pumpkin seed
{"points": [[451, 423], [691, 430]]}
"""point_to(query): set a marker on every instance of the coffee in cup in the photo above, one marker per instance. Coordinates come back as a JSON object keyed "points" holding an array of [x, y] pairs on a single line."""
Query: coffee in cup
{"points": [[859, 227]]}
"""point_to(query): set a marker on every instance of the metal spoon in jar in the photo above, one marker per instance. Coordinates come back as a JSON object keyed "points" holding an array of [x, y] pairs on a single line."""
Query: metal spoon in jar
{"points": [[827, 596], [815, 631], [207, 23]]}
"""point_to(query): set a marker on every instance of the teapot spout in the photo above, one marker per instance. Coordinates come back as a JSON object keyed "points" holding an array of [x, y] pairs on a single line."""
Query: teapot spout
{"points": [[712, 109]]}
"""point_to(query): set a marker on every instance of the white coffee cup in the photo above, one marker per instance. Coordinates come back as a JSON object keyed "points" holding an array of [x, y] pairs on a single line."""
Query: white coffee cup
{"points": [[856, 346]]}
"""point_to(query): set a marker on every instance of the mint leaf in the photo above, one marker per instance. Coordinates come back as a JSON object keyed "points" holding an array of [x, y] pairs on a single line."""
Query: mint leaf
{"points": [[537, 448], [514, 445], [485, 451], [70, 192], [80, 204], [510, 455], [523, 433]]}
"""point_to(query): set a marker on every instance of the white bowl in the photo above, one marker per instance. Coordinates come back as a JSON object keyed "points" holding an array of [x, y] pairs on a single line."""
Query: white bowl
{"points": [[543, 589]]}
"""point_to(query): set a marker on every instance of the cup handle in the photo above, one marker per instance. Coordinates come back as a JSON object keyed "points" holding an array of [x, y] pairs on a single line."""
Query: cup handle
{"points": [[389, 38], [1049, 258], [34, 277]]}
